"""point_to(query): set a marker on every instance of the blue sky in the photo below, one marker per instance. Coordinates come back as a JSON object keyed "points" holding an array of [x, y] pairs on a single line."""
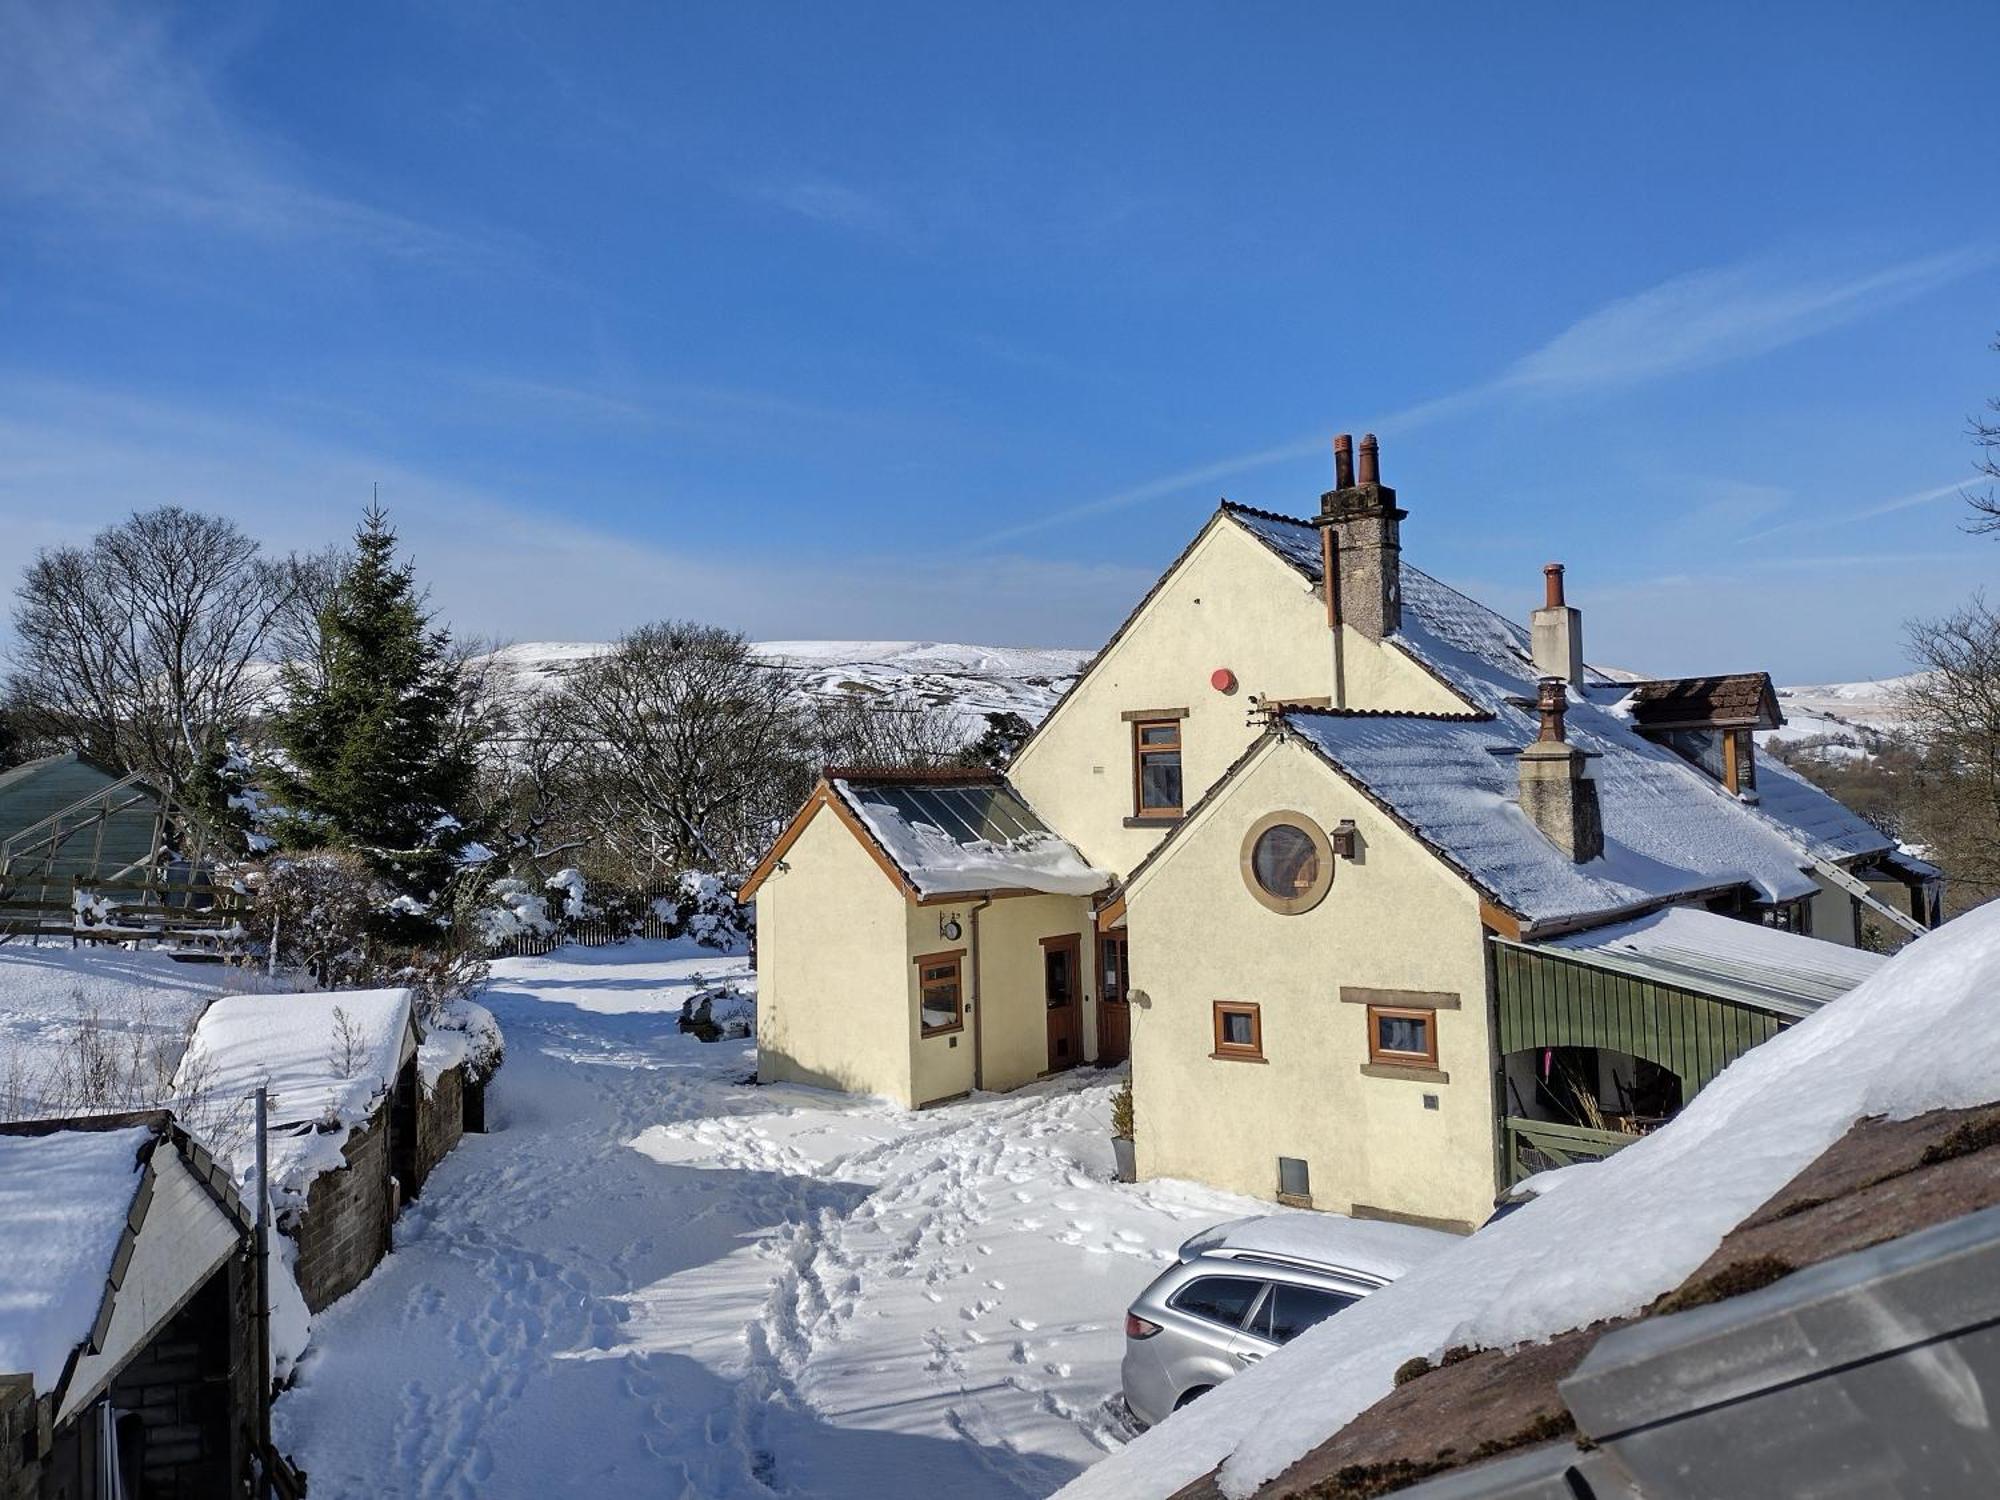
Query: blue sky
{"points": [[928, 321]]}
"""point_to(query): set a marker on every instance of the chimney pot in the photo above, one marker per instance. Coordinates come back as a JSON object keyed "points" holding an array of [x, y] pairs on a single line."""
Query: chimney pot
{"points": [[1551, 702], [1371, 462], [1552, 578], [1343, 461]]}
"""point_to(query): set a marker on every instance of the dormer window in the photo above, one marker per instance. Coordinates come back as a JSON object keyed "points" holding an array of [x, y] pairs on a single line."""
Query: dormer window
{"points": [[1739, 760]]}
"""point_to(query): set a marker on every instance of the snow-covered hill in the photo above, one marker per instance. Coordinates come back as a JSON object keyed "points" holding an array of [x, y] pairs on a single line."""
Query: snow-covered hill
{"points": [[975, 680], [1853, 716]]}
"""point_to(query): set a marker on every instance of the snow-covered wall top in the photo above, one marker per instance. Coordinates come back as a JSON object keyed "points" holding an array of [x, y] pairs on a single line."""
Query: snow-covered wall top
{"points": [[1617, 1234], [63, 1203], [328, 1059]]}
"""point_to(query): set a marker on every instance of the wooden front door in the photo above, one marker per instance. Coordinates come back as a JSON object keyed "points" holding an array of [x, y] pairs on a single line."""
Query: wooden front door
{"points": [[1114, 1004], [1062, 987]]}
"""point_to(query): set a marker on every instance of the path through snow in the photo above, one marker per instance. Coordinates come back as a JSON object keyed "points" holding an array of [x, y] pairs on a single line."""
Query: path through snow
{"points": [[655, 1274]]}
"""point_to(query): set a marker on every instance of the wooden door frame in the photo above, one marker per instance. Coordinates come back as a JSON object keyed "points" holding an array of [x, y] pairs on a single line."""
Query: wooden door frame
{"points": [[1073, 942], [1125, 990]]}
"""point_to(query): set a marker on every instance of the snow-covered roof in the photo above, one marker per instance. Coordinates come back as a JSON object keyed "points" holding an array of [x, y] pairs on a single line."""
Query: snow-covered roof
{"points": [[1916, 1036], [957, 835], [1376, 1248], [1780, 972], [1454, 782], [1488, 659], [328, 1058], [64, 1199]]}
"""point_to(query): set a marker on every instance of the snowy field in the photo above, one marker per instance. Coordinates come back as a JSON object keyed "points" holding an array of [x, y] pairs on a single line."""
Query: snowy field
{"points": [[87, 1030], [653, 1277]]}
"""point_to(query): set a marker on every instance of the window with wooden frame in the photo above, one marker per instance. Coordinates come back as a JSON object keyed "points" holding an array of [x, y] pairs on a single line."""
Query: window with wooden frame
{"points": [[1402, 1037], [1156, 768], [1239, 1031], [1739, 761], [941, 991]]}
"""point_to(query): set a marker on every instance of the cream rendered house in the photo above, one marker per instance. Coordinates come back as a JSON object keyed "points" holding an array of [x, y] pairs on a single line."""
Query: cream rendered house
{"points": [[1392, 899]]}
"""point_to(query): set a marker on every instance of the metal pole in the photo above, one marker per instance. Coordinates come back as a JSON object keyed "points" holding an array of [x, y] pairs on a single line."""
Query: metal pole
{"points": [[263, 1280]]}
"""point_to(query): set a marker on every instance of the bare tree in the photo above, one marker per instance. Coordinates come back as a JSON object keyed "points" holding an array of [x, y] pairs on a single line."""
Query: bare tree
{"points": [[680, 750], [1953, 807], [143, 648], [857, 731], [1985, 432]]}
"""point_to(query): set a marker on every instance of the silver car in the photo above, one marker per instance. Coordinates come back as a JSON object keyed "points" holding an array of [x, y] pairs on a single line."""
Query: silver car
{"points": [[1247, 1287]]}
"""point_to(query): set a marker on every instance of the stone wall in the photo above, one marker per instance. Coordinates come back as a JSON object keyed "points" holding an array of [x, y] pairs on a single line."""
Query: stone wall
{"points": [[344, 1232], [20, 1445], [192, 1390], [440, 1121]]}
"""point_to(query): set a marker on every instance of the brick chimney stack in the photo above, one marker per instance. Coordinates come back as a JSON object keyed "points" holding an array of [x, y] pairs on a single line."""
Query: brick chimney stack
{"points": [[1557, 632], [1361, 515], [1557, 792]]}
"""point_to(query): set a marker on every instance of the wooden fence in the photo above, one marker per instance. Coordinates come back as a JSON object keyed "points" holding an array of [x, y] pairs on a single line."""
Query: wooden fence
{"points": [[586, 935], [122, 911]]}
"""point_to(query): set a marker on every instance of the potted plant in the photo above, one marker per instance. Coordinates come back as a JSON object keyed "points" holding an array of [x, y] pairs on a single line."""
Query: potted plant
{"points": [[1122, 1148]]}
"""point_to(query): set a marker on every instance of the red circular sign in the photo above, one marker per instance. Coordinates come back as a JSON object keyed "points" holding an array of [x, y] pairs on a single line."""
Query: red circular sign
{"points": [[1222, 680]]}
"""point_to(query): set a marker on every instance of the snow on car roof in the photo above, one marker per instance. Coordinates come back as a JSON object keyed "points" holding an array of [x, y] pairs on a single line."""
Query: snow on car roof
{"points": [[1916, 1036], [64, 1198], [960, 835], [1375, 1248]]}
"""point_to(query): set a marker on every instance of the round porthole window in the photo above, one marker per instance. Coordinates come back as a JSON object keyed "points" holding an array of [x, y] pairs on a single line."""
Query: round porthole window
{"points": [[1287, 862]]}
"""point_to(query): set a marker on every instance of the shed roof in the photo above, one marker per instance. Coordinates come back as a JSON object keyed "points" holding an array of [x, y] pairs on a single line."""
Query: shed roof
{"points": [[70, 1206], [328, 1059], [1780, 972]]}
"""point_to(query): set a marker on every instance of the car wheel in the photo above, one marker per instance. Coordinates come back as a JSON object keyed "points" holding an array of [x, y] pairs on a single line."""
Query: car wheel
{"points": [[1188, 1396]]}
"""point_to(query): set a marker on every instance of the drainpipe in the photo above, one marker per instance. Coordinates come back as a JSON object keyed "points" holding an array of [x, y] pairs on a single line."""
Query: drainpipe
{"points": [[261, 1276], [977, 997]]}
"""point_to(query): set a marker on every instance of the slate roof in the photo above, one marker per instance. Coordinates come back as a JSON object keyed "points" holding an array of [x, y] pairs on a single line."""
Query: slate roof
{"points": [[1487, 659], [1454, 782]]}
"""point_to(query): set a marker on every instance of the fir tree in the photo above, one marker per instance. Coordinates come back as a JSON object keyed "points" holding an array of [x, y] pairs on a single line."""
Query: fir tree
{"points": [[370, 726]]}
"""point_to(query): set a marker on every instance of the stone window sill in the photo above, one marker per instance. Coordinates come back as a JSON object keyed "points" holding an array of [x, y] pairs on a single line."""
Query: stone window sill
{"points": [[1407, 1074]]}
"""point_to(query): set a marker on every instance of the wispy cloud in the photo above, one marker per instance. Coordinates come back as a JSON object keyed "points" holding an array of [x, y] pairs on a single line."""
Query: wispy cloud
{"points": [[105, 112], [504, 565], [1821, 521], [1712, 317], [1688, 323]]}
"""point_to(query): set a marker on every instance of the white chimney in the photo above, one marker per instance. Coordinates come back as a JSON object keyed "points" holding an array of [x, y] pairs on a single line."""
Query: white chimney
{"points": [[1557, 631]]}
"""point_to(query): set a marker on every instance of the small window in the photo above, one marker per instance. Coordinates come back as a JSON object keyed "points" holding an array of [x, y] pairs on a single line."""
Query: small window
{"points": [[1218, 1299], [1405, 1038], [941, 992], [1156, 767], [1239, 1030], [1290, 1310], [1294, 1182], [1287, 862]]}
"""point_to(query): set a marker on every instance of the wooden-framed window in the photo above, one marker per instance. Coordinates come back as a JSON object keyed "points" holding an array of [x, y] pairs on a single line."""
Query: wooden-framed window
{"points": [[1156, 768], [941, 991], [1239, 1031], [1402, 1036]]}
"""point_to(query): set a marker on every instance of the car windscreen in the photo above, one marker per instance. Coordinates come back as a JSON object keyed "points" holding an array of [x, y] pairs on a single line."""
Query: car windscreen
{"points": [[1290, 1310], [1219, 1299]]}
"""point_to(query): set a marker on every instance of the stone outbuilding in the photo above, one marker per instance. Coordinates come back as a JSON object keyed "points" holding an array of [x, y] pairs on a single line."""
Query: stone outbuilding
{"points": [[362, 1109], [128, 1354]]}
